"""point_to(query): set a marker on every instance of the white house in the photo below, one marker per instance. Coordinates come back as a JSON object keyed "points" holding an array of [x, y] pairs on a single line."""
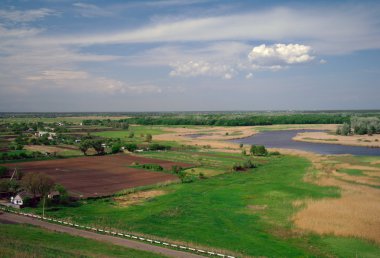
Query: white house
{"points": [[19, 199], [50, 135]]}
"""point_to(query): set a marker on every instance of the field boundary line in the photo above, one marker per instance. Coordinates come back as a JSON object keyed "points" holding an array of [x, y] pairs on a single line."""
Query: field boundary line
{"points": [[118, 234]]}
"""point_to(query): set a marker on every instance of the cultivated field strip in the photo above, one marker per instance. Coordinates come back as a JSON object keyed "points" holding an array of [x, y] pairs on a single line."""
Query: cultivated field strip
{"points": [[120, 234]]}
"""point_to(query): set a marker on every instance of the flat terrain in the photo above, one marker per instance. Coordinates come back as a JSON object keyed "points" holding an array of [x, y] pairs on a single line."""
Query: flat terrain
{"points": [[100, 175], [250, 213], [20, 240], [352, 140]]}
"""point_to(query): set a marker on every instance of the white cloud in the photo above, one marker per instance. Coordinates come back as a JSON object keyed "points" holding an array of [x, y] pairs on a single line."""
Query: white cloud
{"points": [[201, 68], [26, 15], [279, 54], [82, 81], [90, 10], [249, 76], [322, 61], [59, 75], [346, 32]]}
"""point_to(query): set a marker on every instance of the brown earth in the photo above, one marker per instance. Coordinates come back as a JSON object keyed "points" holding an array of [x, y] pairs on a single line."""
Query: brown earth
{"points": [[100, 175]]}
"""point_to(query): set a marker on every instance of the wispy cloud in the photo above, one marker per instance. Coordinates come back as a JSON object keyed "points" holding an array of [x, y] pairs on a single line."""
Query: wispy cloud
{"points": [[26, 15], [91, 10], [345, 32]]}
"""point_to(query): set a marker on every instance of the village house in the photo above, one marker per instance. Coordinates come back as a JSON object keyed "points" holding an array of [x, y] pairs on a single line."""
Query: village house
{"points": [[50, 135], [19, 200]]}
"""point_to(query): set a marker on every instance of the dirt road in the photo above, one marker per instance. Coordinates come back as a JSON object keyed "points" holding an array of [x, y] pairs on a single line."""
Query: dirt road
{"points": [[12, 218]]}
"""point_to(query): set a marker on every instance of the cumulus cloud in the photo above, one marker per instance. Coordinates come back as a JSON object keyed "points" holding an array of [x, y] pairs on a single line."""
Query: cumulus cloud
{"points": [[26, 15], [279, 54], [227, 63]]}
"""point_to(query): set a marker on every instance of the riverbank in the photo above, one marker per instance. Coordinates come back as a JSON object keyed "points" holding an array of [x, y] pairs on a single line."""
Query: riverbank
{"points": [[328, 138]]}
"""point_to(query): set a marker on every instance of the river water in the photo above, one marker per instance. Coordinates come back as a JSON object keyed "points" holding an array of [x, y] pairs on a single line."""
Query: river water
{"points": [[283, 139]]}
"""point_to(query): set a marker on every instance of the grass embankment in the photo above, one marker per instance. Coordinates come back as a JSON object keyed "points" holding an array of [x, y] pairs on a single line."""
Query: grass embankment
{"points": [[247, 212], [30, 241]]}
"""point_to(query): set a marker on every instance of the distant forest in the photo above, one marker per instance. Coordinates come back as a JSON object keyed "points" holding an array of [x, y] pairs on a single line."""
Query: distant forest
{"points": [[240, 120]]}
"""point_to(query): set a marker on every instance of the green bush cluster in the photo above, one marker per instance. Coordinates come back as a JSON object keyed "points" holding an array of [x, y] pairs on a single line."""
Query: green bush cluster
{"points": [[154, 167], [258, 150]]}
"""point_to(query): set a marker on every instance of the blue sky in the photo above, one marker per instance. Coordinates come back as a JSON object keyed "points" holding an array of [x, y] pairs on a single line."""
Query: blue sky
{"points": [[169, 55]]}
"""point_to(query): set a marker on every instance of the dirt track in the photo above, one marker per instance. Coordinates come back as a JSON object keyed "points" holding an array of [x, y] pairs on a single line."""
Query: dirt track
{"points": [[12, 218], [100, 175]]}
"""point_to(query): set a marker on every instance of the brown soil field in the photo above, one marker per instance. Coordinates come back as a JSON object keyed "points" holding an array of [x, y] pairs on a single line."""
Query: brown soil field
{"points": [[100, 175]]}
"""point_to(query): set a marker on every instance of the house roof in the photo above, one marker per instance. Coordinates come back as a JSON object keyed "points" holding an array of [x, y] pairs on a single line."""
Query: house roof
{"points": [[24, 194]]}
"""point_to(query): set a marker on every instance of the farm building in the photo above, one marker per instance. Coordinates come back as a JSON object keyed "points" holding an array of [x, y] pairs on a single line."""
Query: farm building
{"points": [[50, 135], [20, 198]]}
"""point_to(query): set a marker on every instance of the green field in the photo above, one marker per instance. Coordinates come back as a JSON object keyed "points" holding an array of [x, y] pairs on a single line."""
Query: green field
{"points": [[247, 212], [30, 241], [137, 130]]}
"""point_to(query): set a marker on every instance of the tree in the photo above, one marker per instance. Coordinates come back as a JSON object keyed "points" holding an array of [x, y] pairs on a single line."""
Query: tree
{"points": [[98, 146], [84, 146], [148, 137], [38, 184]]}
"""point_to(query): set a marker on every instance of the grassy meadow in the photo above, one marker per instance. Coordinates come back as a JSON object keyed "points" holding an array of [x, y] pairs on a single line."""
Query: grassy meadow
{"points": [[247, 212], [30, 241]]}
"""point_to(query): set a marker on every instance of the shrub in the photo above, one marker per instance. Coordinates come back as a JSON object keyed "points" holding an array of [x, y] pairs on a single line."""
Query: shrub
{"points": [[156, 146], [154, 167], [176, 169], [258, 150], [116, 148], [130, 147], [274, 153], [3, 171]]}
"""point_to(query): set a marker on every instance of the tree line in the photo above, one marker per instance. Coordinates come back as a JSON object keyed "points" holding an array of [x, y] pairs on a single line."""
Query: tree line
{"points": [[360, 125], [240, 120]]}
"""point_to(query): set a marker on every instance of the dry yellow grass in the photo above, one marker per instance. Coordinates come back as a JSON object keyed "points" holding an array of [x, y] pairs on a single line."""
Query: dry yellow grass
{"points": [[355, 213], [353, 140], [136, 198]]}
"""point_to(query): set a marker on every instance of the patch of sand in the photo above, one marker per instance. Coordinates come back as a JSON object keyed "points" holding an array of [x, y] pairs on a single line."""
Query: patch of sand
{"points": [[352, 140], [136, 198]]}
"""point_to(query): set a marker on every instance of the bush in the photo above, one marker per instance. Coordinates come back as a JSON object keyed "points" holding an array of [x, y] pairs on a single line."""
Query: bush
{"points": [[258, 150], [116, 148], [243, 166], [3, 171], [130, 147], [156, 146], [154, 167], [176, 169], [274, 153]]}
